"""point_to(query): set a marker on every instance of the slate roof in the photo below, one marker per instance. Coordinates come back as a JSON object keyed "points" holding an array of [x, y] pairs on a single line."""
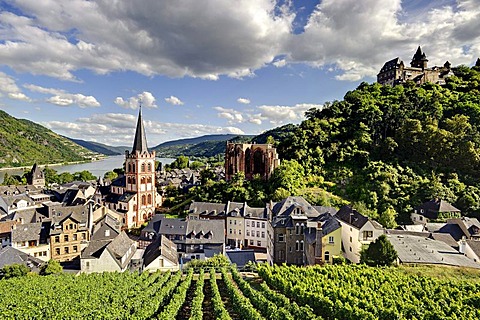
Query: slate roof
{"points": [[421, 250], [94, 249], [475, 246], [207, 208], [256, 213], [6, 226], [241, 257], [9, 255], [160, 246], [120, 245], [120, 182], [106, 223], [205, 231], [117, 247], [173, 227], [432, 208], [27, 232], [235, 209], [444, 237], [140, 140], [286, 206], [354, 218]]}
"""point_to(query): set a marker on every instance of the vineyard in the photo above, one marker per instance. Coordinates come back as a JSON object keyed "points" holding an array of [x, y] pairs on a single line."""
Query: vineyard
{"points": [[278, 292]]}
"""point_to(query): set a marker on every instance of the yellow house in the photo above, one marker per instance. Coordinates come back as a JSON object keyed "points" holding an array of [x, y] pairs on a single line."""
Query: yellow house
{"points": [[324, 239]]}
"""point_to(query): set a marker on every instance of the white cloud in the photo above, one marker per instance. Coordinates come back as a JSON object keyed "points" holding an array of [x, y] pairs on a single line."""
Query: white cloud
{"points": [[62, 98], [280, 63], [10, 88], [285, 114], [243, 100], [359, 36], [119, 129], [202, 39], [233, 116], [174, 101], [145, 99]]}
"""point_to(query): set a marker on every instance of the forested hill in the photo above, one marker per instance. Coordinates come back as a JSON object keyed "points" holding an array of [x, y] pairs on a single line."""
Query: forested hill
{"points": [[385, 147], [23, 143]]}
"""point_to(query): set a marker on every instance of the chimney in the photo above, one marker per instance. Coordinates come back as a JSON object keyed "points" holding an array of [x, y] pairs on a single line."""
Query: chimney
{"points": [[462, 245], [90, 217], [318, 244]]}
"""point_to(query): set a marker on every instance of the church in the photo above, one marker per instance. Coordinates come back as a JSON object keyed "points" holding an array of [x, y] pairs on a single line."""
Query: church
{"points": [[134, 194]]}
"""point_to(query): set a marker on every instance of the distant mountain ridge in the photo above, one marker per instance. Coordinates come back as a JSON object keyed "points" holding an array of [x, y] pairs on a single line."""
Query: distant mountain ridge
{"points": [[100, 147], [23, 143]]}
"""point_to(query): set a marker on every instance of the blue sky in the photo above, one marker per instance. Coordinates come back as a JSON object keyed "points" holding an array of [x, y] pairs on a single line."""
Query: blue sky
{"points": [[81, 67]]}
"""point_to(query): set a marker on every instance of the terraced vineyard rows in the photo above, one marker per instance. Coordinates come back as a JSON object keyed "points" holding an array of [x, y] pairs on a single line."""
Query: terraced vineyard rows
{"points": [[329, 292]]}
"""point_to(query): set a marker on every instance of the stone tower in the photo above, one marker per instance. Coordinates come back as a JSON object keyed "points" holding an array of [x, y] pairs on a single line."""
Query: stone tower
{"points": [[419, 59], [140, 175], [36, 177]]}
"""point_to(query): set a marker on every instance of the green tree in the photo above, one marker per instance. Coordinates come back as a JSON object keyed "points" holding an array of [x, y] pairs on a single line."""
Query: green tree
{"points": [[379, 253], [387, 218], [196, 165], [50, 175], [84, 176], [110, 175], [180, 163], [65, 177], [14, 270], [9, 180], [51, 267], [290, 176]]}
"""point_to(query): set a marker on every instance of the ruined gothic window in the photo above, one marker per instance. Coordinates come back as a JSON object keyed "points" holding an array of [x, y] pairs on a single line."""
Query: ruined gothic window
{"points": [[247, 160], [258, 162]]}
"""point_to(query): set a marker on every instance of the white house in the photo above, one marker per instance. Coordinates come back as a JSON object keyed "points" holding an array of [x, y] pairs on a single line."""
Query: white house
{"points": [[357, 231]]}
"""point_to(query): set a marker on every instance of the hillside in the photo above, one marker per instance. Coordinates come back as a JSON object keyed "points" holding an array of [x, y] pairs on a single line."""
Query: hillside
{"points": [[385, 147], [204, 146], [319, 292], [23, 142], [100, 147]]}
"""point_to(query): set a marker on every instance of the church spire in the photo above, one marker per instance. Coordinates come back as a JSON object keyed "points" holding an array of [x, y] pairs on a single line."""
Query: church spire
{"points": [[140, 142]]}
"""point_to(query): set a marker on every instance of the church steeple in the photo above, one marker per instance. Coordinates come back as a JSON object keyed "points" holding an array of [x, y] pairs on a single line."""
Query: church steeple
{"points": [[419, 59], [140, 141]]}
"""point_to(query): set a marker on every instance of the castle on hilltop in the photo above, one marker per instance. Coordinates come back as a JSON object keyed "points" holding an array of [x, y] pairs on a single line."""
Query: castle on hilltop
{"points": [[395, 72]]}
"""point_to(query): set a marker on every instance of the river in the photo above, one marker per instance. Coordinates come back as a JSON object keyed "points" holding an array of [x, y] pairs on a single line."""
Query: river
{"points": [[97, 168]]}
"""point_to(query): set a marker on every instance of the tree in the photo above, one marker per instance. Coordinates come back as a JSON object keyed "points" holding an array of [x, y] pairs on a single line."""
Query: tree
{"points": [[9, 180], [51, 267], [289, 176], [180, 163], [50, 175], [387, 218], [65, 177], [84, 176], [196, 165], [379, 253], [110, 175], [14, 270]]}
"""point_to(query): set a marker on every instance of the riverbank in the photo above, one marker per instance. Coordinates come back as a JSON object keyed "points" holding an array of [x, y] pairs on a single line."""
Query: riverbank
{"points": [[52, 164]]}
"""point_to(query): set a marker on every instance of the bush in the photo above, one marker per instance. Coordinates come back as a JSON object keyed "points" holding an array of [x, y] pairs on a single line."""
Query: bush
{"points": [[52, 267], [14, 270]]}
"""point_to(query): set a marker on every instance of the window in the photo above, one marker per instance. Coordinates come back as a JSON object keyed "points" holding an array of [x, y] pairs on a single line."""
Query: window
{"points": [[289, 249], [230, 231], [57, 251], [65, 238], [301, 245], [66, 249], [331, 240], [248, 233], [74, 237], [75, 249], [367, 234], [235, 222], [258, 224], [258, 234], [57, 239], [263, 234], [297, 245], [83, 236], [248, 223], [281, 255], [290, 232], [302, 227], [230, 222], [149, 167], [259, 243], [350, 238], [251, 242], [350, 249], [239, 231], [297, 229], [263, 225], [281, 237], [143, 167]]}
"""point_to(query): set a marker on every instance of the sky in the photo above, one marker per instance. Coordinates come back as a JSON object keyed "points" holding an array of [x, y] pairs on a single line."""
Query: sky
{"points": [[83, 68]]}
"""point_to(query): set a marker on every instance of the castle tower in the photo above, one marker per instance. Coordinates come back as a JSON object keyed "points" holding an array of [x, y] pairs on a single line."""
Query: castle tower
{"points": [[140, 175], [419, 59]]}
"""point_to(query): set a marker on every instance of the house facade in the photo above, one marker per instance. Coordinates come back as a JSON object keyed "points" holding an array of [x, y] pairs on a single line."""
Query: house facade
{"points": [[358, 231]]}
